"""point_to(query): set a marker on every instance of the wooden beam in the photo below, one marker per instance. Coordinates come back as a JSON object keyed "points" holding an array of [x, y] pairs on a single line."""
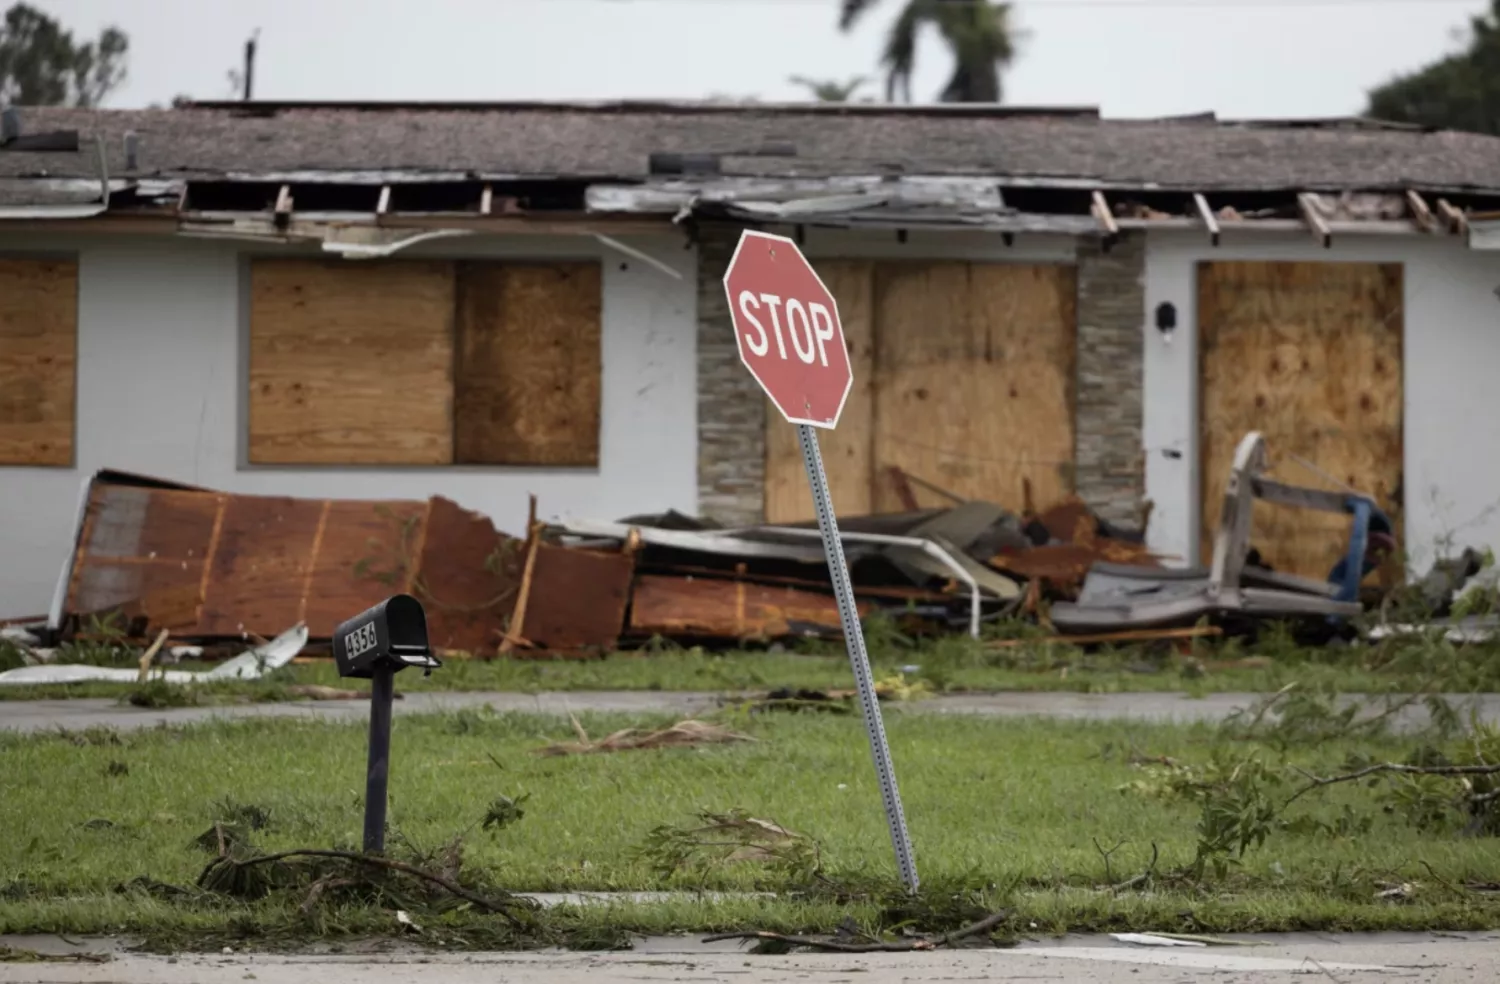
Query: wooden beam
{"points": [[284, 205], [1210, 221], [384, 205], [1420, 213], [1308, 205], [1457, 223], [1103, 216], [486, 200]]}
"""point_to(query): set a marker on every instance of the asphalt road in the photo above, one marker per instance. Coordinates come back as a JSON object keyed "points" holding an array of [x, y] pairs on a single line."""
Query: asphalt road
{"points": [[35, 715], [1425, 958]]}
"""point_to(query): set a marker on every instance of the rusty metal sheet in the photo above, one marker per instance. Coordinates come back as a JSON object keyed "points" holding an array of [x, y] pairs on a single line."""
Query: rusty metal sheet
{"points": [[577, 598], [1070, 521], [210, 564], [141, 554], [1065, 565], [467, 577], [724, 609], [364, 554]]}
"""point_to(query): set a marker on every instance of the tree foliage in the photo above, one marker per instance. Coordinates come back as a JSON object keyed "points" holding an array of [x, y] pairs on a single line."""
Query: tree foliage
{"points": [[830, 90], [42, 65], [1459, 92], [979, 33]]}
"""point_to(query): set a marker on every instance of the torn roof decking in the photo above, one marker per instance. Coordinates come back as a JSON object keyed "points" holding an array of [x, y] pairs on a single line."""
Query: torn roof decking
{"points": [[601, 142], [208, 564]]}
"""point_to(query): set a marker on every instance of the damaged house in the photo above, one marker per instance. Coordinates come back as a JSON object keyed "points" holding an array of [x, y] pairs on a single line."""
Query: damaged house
{"points": [[480, 302]]}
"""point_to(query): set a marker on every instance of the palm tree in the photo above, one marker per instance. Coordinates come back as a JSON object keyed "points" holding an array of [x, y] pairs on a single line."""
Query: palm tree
{"points": [[978, 32]]}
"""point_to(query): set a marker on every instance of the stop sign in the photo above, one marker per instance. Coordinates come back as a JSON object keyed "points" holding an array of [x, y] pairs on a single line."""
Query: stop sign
{"points": [[786, 325]]}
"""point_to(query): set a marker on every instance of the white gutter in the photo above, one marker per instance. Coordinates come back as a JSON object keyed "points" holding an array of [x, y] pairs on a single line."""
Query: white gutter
{"points": [[25, 212], [1484, 234], [916, 543], [731, 543], [634, 253], [369, 251]]}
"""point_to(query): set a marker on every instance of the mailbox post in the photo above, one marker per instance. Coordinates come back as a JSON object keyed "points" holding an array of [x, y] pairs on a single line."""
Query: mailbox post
{"points": [[375, 645]]}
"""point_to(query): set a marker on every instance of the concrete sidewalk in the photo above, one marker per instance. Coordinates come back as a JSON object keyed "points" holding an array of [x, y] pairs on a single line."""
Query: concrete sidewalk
{"points": [[26, 715], [1425, 957]]}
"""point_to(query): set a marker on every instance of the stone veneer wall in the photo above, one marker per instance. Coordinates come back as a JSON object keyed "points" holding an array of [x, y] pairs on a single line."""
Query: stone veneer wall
{"points": [[1109, 463], [731, 409], [1110, 466]]}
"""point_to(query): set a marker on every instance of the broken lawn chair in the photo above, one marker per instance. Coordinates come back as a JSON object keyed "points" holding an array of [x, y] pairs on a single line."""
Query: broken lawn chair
{"points": [[1117, 596]]}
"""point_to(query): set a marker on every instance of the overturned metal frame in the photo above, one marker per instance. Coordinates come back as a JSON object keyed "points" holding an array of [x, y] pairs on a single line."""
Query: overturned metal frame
{"points": [[1117, 596]]}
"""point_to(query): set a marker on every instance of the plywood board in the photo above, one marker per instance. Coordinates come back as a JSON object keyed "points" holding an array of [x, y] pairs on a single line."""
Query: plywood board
{"points": [[848, 449], [974, 367], [529, 371], [1309, 354], [351, 363], [38, 361]]}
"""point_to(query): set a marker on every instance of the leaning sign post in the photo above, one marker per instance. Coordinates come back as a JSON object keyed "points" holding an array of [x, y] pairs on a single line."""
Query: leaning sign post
{"points": [[786, 324]]}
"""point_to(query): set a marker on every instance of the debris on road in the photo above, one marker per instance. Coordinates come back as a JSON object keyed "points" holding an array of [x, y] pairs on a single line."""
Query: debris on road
{"points": [[680, 735], [891, 688]]}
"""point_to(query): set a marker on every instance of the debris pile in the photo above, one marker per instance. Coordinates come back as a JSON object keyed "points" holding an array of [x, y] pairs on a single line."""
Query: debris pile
{"points": [[201, 566]]}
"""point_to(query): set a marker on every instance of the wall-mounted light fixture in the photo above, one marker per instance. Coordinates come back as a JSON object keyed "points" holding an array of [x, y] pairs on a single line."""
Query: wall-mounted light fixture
{"points": [[1166, 320]]}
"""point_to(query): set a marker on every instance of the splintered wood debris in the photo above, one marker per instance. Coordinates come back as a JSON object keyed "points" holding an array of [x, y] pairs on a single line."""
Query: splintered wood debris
{"points": [[680, 735]]}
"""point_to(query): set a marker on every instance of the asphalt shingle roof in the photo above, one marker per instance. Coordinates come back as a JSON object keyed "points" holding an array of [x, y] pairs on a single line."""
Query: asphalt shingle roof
{"points": [[615, 141]]}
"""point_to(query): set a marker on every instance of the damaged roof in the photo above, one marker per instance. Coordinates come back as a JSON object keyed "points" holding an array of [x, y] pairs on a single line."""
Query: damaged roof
{"points": [[602, 141]]}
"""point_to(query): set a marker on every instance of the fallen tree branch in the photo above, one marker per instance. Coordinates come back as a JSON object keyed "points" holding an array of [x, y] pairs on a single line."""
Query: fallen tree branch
{"points": [[834, 946], [373, 861], [1318, 782], [1144, 876]]}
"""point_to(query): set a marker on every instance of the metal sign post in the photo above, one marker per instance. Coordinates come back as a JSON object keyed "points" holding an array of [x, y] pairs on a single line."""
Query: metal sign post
{"points": [[854, 639], [789, 336]]}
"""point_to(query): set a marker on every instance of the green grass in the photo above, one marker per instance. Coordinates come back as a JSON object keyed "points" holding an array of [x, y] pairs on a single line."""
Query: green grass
{"points": [[1008, 809], [954, 664]]}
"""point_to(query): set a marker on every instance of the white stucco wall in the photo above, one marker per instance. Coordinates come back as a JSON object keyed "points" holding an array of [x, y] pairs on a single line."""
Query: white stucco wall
{"points": [[161, 380], [1451, 356]]}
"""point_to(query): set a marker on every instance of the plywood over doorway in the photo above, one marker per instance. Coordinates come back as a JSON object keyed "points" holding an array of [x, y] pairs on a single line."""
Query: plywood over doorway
{"points": [[974, 378], [963, 378], [848, 448], [1309, 354]]}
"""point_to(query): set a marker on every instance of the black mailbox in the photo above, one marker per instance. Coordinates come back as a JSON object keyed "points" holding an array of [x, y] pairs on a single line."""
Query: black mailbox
{"points": [[392, 635], [375, 645]]}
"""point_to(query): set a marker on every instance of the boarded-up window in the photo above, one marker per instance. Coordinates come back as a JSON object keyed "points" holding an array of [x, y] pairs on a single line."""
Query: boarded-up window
{"points": [[38, 361], [424, 363], [529, 364]]}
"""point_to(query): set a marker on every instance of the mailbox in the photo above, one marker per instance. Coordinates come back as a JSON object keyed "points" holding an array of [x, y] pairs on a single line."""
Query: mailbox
{"points": [[392, 635], [375, 645]]}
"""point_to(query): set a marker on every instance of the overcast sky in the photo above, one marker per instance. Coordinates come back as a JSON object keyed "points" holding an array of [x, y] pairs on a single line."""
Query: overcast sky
{"points": [[1241, 58]]}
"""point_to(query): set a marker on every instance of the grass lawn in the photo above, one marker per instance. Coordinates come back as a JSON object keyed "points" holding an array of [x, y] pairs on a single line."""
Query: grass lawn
{"points": [[1017, 814], [954, 664]]}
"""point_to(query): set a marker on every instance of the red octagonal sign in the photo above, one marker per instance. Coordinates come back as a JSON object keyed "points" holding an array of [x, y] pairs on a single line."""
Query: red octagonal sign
{"points": [[786, 324]]}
